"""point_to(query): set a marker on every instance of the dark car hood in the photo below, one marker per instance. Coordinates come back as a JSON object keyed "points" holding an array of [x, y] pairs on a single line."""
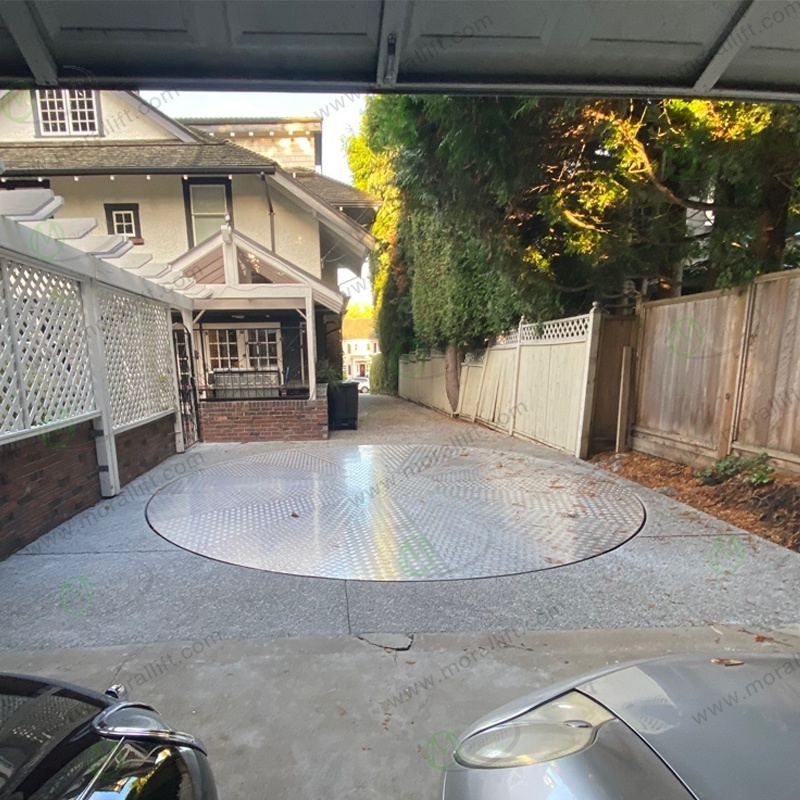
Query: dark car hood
{"points": [[728, 732]]}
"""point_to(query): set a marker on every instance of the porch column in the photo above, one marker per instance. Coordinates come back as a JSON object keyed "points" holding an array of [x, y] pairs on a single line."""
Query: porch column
{"points": [[229, 257], [311, 347]]}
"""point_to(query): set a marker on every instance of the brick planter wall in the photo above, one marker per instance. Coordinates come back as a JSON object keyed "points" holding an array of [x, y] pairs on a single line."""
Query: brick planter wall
{"points": [[45, 480], [265, 420], [145, 447]]}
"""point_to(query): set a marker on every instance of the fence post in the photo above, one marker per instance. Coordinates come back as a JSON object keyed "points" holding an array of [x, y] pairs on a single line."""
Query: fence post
{"points": [[726, 437], [515, 378], [104, 426], [180, 442], [484, 364], [17, 373], [589, 382], [624, 407]]}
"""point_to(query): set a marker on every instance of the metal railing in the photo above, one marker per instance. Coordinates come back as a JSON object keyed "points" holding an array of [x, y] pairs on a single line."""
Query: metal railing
{"points": [[251, 385]]}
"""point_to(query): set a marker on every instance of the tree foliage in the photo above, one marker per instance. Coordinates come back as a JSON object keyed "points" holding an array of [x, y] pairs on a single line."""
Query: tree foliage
{"points": [[497, 207]]}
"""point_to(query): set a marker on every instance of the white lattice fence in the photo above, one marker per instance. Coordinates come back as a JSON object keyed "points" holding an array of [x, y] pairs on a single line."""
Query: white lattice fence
{"points": [[569, 329], [138, 351], [44, 357]]}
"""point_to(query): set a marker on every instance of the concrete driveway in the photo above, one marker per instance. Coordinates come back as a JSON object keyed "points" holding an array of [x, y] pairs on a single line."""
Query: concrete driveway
{"points": [[216, 646]]}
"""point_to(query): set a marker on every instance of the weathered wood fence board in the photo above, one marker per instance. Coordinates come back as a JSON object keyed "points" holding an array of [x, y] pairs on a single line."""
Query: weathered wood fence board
{"points": [[616, 333], [720, 372], [684, 349], [769, 411]]}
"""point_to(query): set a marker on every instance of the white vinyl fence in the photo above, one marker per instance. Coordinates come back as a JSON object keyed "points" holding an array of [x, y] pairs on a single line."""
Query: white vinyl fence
{"points": [[536, 382], [73, 350], [421, 379]]}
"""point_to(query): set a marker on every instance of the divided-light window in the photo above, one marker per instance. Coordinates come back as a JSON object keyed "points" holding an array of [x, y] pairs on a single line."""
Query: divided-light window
{"points": [[67, 112], [252, 348], [123, 219]]}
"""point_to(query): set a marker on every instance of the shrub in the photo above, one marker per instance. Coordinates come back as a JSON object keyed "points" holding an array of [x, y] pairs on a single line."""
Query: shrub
{"points": [[754, 470]]}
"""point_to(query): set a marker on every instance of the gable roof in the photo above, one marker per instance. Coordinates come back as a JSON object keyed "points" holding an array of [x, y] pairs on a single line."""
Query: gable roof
{"points": [[285, 275], [332, 191]]}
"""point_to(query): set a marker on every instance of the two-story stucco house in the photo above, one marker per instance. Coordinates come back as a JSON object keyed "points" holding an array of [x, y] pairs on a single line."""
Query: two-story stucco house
{"points": [[258, 248]]}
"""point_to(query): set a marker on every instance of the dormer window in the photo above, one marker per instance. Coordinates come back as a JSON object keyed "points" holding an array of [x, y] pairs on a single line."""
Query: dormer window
{"points": [[67, 112]]}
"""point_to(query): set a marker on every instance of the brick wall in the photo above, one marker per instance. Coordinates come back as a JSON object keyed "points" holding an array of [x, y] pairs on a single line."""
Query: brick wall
{"points": [[142, 448], [265, 420], [45, 480]]}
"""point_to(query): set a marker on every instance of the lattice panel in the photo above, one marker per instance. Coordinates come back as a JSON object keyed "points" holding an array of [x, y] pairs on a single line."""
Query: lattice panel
{"points": [[557, 329], [136, 337], [50, 372], [10, 400]]}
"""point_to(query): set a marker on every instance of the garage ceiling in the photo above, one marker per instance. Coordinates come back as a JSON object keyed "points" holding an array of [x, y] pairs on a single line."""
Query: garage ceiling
{"points": [[730, 48]]}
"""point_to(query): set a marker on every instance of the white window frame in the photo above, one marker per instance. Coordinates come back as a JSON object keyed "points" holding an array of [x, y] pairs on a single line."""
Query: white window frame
{"points": [[124, 222], [65, 98], [195, 214], [241, 342]]}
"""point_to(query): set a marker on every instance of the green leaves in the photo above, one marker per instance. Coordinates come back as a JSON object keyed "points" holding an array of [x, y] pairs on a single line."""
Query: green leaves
{"points": [[494, 207]]}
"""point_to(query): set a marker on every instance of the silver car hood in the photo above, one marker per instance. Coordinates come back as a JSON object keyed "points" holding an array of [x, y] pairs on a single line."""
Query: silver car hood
{"points": [[727, 732]]}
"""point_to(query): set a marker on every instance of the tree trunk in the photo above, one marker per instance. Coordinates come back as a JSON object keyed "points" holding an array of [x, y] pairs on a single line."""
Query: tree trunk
{"points": [[452, 374], [772, 223], [724, 219]]}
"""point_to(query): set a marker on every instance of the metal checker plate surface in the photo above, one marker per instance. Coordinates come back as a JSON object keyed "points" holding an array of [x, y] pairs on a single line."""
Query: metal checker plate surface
{"points": [[395, 513]]}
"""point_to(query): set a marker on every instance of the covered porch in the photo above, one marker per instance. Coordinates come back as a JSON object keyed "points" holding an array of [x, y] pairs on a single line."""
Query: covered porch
{"points": [[254, 337]]}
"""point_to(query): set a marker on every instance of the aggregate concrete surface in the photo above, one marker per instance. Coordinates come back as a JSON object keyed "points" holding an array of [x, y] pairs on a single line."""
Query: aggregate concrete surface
{"points": [[316, 688]]}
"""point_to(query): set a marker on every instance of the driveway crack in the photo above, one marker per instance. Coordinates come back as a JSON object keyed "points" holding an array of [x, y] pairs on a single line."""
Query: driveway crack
{"points": [[391, 644], [126, 660]]}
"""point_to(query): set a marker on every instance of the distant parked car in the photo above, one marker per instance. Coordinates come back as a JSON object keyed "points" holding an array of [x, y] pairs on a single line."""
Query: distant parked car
{"points": [[363, 384], [62, 742], [687, 727]]}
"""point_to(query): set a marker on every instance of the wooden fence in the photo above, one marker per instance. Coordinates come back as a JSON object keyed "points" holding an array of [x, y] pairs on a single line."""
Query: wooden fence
{"points": [[719, 372], [714, 373]]}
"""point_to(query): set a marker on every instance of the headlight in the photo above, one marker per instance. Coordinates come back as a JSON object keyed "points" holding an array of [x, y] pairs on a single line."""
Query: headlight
{"points": [[556, 729]]}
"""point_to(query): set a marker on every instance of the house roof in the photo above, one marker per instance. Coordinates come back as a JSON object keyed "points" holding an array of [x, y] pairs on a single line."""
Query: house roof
{"points": [[146, 156], [333, 191], [358, 328]]}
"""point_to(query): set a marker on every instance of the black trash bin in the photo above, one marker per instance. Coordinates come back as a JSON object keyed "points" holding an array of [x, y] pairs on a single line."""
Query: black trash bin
{"points": [[343, 405]]}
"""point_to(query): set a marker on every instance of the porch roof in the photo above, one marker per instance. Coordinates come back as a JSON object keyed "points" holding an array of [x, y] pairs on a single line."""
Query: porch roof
{"points": [[215, 265]]}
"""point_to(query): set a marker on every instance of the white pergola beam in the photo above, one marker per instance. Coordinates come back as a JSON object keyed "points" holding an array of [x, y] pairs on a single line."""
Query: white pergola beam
{"points": [[248, 304], [264, 291], [17, 244], [22, 26]]}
